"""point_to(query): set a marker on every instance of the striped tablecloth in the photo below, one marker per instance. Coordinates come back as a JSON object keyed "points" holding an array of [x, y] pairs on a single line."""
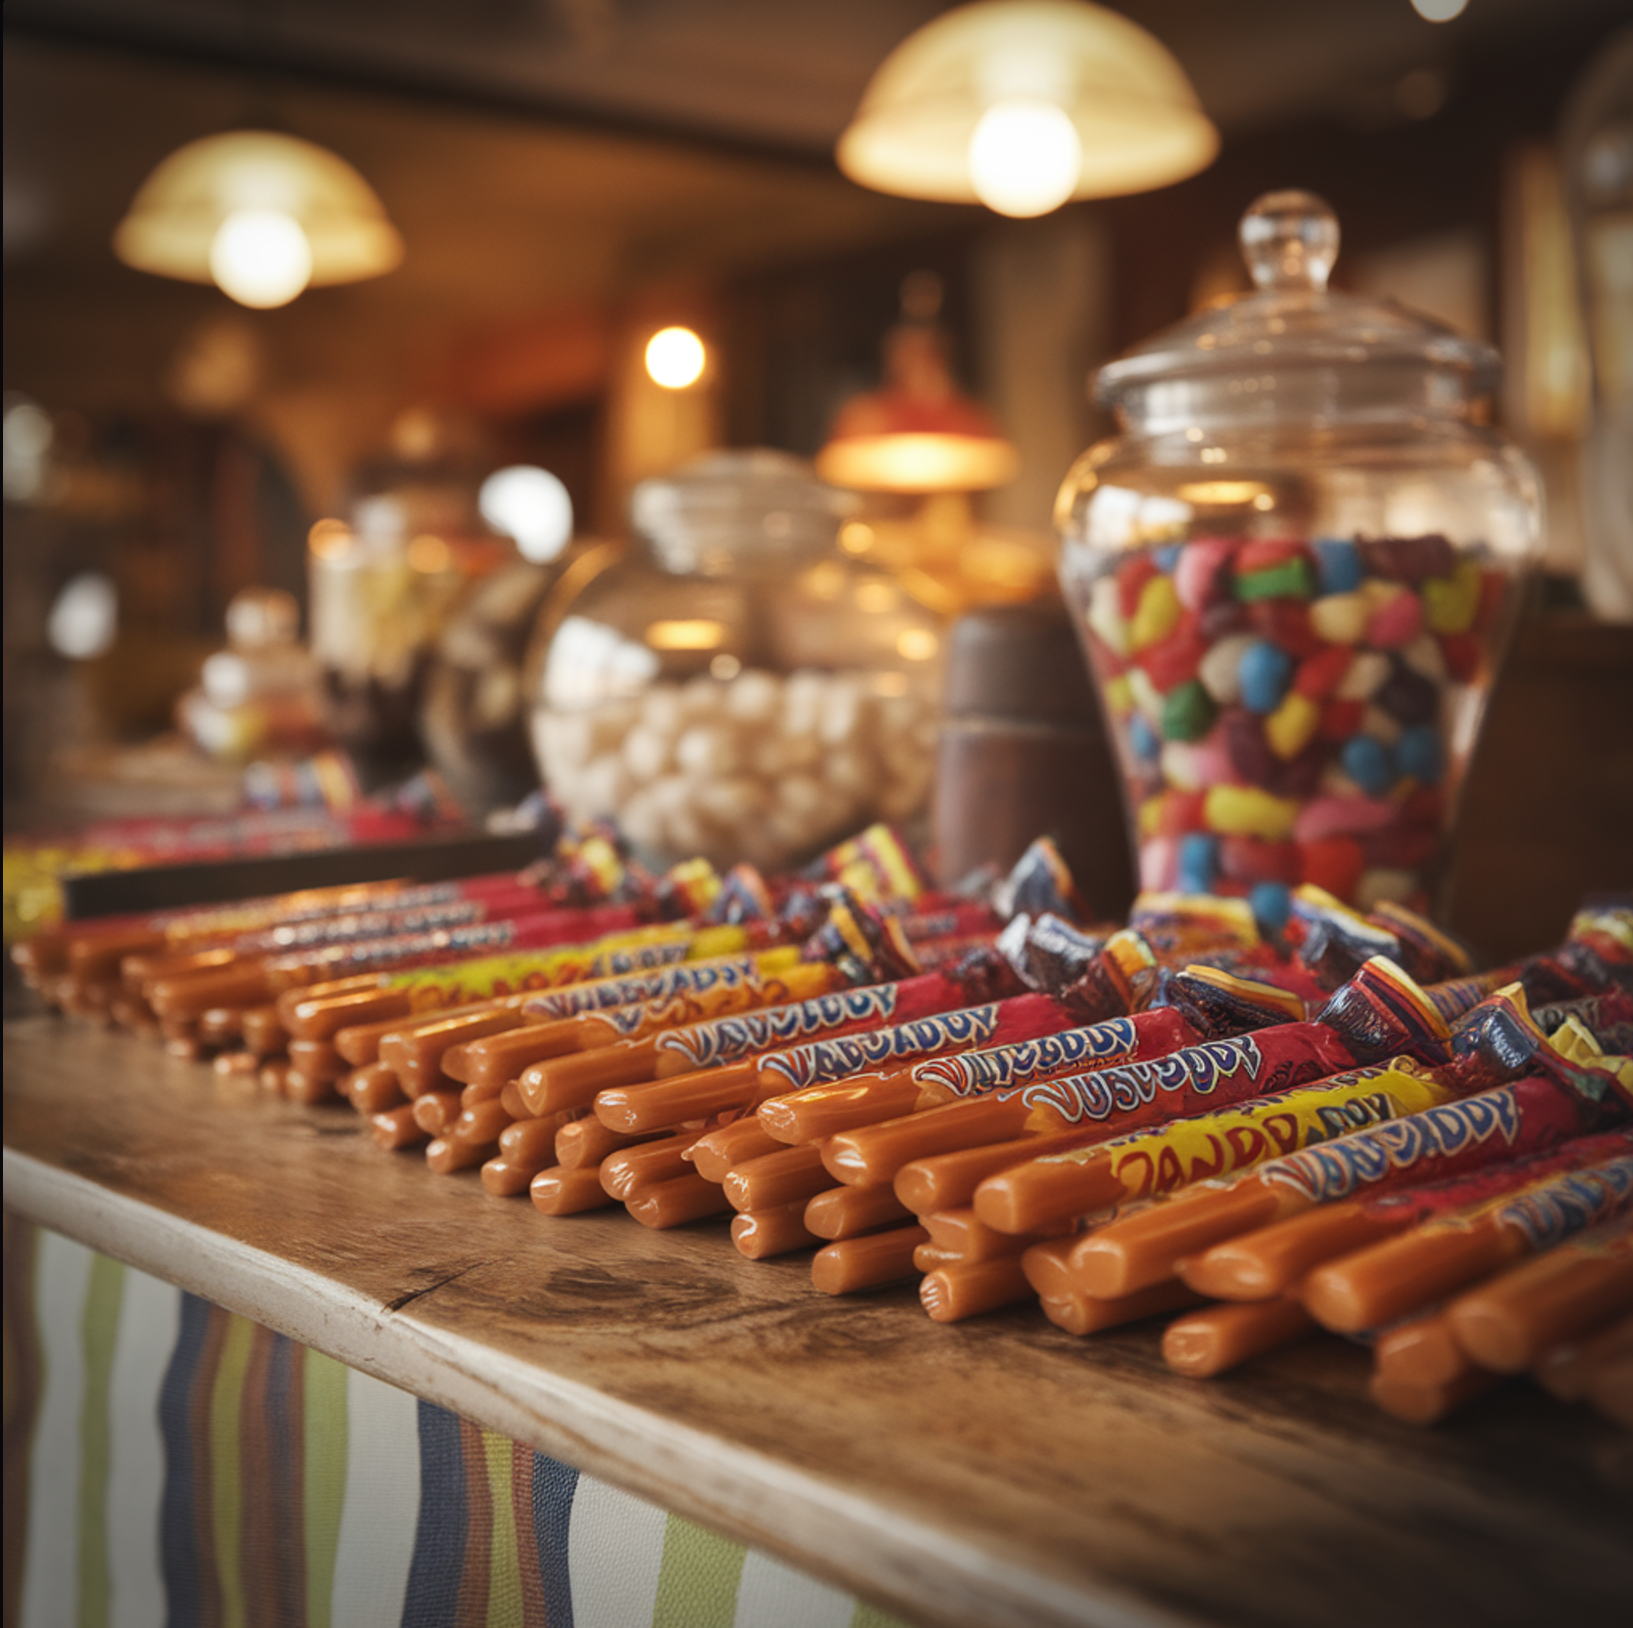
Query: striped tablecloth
{"points": [[168, 1462]]}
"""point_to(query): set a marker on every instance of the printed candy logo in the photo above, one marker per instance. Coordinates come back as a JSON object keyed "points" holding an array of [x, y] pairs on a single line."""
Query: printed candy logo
{"points": [[728, 1039], [1570, 1203], [976, 1071], [851, 1054], [636, 958], [1337, 1169], [1134, 1085], [577, 998], [680, 1003]]}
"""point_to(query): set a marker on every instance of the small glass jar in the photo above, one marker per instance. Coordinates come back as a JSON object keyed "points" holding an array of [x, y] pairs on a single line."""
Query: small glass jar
{"points": [[736, 687], [1293, 574], [382, 585]]}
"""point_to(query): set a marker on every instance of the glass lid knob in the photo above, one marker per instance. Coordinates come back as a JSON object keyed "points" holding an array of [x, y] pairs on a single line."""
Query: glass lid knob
{"points": [[1289, 240]]}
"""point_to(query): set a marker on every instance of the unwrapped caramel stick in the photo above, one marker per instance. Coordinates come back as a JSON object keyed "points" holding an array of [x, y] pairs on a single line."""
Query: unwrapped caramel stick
{"points": [[503, 1056], [968, 1288], [1423, 1351], [416, 1053], [581, 1144], [396, 1129], [1425, 1404], [714, 1154], [847, 1212], [1219, 1338], [947, 1180], [568, 1192], [868, 1262], [444, 1155], [817, 1111], [659, 1104], [1084, 1314], [372, 1089], [964, 1234], [1566, 1371], [674, 1202], [788, 1176], [876, 1152], [628, 1172], [760, 1234]]}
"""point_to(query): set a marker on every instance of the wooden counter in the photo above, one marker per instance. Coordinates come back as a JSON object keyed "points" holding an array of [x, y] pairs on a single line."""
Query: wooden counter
{"points": [[996, 1472]]}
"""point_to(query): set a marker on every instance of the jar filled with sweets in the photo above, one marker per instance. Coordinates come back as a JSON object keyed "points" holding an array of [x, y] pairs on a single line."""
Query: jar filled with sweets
{"points": [[735, 686], [383, 582], [1293, 573]]}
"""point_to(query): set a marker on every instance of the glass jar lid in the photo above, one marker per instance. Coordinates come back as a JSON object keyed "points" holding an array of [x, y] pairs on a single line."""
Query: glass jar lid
{"points": [[741, 510], [1295, 339]]}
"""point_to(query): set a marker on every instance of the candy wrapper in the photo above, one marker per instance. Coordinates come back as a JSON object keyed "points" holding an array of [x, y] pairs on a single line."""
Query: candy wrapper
{"points": [[1502, 1033]]}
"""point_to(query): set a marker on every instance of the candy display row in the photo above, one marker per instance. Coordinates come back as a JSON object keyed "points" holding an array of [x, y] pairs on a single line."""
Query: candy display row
{"points": [[1292, 711], [917, 1088]]}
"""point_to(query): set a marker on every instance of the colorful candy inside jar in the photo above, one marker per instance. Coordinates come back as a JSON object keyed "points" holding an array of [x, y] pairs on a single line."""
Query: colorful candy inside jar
{"points": [[1293, 577], [1285, 709]]}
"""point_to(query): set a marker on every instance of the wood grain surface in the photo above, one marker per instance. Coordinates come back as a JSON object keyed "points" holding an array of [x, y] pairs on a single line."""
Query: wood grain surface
{"points": [[993, 1472]]}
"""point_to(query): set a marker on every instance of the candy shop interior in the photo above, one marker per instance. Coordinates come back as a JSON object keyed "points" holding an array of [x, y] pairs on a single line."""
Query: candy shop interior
{"points": [[818, 813]]}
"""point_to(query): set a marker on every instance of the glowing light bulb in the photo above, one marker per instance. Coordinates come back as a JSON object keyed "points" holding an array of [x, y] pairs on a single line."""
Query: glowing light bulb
{"points": [[1439, 11], [260, 257], [532, 506], [675, 358], [1025, 157]]}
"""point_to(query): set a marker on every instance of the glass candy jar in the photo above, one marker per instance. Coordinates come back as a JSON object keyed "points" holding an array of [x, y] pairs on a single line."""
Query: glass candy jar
{"points": [[736, 687], [1293, 573]]}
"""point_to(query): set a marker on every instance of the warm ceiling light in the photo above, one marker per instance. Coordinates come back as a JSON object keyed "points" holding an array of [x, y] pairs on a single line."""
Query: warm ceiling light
{"points": [[988, 102], [261, 215], [1439, 11], [675, 358]]}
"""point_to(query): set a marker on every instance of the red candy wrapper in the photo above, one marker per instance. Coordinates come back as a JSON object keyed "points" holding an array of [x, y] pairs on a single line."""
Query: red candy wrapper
{"points": [[1528, 1116], [1209, 1075], [1155, 1033], [998, 1023]]}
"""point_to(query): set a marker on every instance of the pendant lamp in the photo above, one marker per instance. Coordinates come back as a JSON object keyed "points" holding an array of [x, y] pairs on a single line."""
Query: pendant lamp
{"points": [[1023, 105], [260, 214]]}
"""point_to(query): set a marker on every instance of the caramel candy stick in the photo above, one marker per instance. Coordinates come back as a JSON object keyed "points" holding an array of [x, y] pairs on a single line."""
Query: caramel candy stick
{"points": [[360, 1043], [372, 1090], [868, 1262], [928, 1257], [243, 983], [583, 1143], [237, 1062], [504, 1178], [316, 1059], [302, 1088], [626, 1173], [876, 1152], [1510, 1323], [1212, 1341], [135, 971], [1421, 1352], [714, 1154], [1378, 1285], [263, 1033], [1567, 1370], [416, 1053], [1275, 1259], [1245, 1132], [444, 1155], [788, 1176], [1425, 1404], [759, 1234], [962, 1233], [968, 1288], [674, 1202], [568, 1192], [436, 1111], [99, 954], [1135, 1251], [504, 1055], [947, 1180], [315, 1016], [220, 1026], [660, 1104], [470, 1095], [1047, 1270], [396, 1128], [574, 1080], [1083, 1314], [847, 1212], [823, 1110], [481, 1124], [532, 1141], [274, 1077]]}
